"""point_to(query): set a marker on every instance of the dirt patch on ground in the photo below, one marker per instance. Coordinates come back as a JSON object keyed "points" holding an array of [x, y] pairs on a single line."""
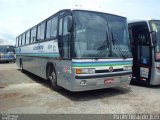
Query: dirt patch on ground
{"points": [[9, 95]]}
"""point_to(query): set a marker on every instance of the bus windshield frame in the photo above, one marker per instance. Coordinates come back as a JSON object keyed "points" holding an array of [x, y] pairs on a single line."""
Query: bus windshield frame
{"points": [[100, 35], [6, 49]]}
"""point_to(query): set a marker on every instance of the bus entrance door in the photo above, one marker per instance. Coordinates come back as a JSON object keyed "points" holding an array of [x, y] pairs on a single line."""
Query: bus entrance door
{"points": [[142, 57]]}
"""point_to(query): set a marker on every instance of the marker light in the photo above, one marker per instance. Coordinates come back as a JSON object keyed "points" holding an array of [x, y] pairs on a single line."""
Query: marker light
{"points": [[85, 71], [127, 68]]}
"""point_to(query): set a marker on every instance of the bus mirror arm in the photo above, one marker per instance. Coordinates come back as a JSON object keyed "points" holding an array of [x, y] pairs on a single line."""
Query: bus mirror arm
{"points": [[154, 38], [69, 23]]}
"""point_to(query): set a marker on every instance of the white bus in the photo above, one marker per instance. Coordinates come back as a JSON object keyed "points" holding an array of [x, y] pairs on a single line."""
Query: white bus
{"points": [[78, 50], [145, 41], [7, 53]]}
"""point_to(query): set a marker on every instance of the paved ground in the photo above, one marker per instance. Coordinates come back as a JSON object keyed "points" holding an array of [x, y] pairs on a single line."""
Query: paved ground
{"points": [[27, 93]]}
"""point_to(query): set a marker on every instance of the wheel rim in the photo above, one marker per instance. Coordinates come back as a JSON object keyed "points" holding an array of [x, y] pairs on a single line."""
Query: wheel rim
{"points": [[21, 67], [53, 77]]}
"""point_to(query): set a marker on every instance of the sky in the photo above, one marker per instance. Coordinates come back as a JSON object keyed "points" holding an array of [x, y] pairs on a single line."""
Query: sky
{"points": [[16, 16]]}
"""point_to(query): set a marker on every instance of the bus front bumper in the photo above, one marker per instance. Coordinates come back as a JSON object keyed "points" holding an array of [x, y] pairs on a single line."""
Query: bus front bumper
{"points": [[7, 59], [100, 82], [155, 77]]}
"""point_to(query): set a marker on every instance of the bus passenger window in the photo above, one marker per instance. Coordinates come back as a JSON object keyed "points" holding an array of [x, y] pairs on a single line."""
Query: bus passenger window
{"points": [[48, 31], [52, 28], [33, 34], [23, 39], [20, 39], [17, 42], [66, 38], [28, 37], [41, 30], [60, 27]]}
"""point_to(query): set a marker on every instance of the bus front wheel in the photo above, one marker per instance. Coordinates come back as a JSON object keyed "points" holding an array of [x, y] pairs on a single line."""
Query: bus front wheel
{"points": [[53, 78]]}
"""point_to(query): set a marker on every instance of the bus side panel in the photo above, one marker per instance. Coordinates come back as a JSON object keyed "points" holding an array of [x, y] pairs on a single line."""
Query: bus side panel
{"points": [[65, 76], [155, 75], [35, 65], [36, 56]]}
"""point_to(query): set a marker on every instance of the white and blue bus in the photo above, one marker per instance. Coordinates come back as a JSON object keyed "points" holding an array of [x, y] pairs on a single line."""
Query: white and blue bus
{"points": [[145, 41], [78, 50], [7, 53]]}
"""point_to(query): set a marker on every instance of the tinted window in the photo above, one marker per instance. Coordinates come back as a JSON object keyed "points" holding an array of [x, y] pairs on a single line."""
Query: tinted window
{"points": [[48, 33], [23, 39], [39, 33], [33, 35], [119, 36], [66, 42], [155, 26], [41, 30], [52, 28], [28, 37], [19, 43], [91, 35], [60, 27]]}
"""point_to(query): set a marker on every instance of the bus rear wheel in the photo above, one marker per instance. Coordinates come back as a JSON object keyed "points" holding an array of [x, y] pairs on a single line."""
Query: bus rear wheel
{"points": [[53, 78], [21, 66]]}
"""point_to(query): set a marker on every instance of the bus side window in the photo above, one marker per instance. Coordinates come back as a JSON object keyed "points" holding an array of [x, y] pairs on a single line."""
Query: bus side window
{"points": [[66, 39], [54, 27], [28, 37], [60, 36], [41, 30], [20, 40], [60, 27], [33, 35], [51, 31], [23, 39], [48, 30], [17, 42]]}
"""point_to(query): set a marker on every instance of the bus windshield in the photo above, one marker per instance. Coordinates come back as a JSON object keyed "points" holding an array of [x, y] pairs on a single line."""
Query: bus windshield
{"points": [[94, 33], [155, 26], [119, 36], [6, 49]]}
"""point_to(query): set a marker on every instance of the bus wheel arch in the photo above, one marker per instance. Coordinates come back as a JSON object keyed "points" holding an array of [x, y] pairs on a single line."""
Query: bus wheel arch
{"points": [[52, 76]]}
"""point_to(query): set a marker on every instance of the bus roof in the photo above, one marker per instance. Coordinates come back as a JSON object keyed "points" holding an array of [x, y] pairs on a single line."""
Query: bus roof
{"points": [[142, 20], [98, 10], [73, 9]]}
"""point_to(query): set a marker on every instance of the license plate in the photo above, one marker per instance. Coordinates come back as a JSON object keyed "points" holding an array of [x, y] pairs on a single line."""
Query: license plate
{"points": [[108, 81]]}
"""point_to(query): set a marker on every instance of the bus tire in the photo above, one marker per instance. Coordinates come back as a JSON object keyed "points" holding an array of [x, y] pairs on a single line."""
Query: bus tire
{"points": [[52, 76], [21, 66]]}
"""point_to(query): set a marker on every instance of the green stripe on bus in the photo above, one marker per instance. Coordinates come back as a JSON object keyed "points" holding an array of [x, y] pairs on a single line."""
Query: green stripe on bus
{"points": [[40, 54], [100, 65]]}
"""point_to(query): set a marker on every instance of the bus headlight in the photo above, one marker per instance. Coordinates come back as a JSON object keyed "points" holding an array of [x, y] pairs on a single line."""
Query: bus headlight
{"points": [[85, 71], [127, 68]]}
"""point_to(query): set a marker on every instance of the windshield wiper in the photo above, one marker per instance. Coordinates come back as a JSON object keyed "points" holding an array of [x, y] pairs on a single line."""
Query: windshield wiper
{"points": [[105, 43], [104, 46], [119, 49]]}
